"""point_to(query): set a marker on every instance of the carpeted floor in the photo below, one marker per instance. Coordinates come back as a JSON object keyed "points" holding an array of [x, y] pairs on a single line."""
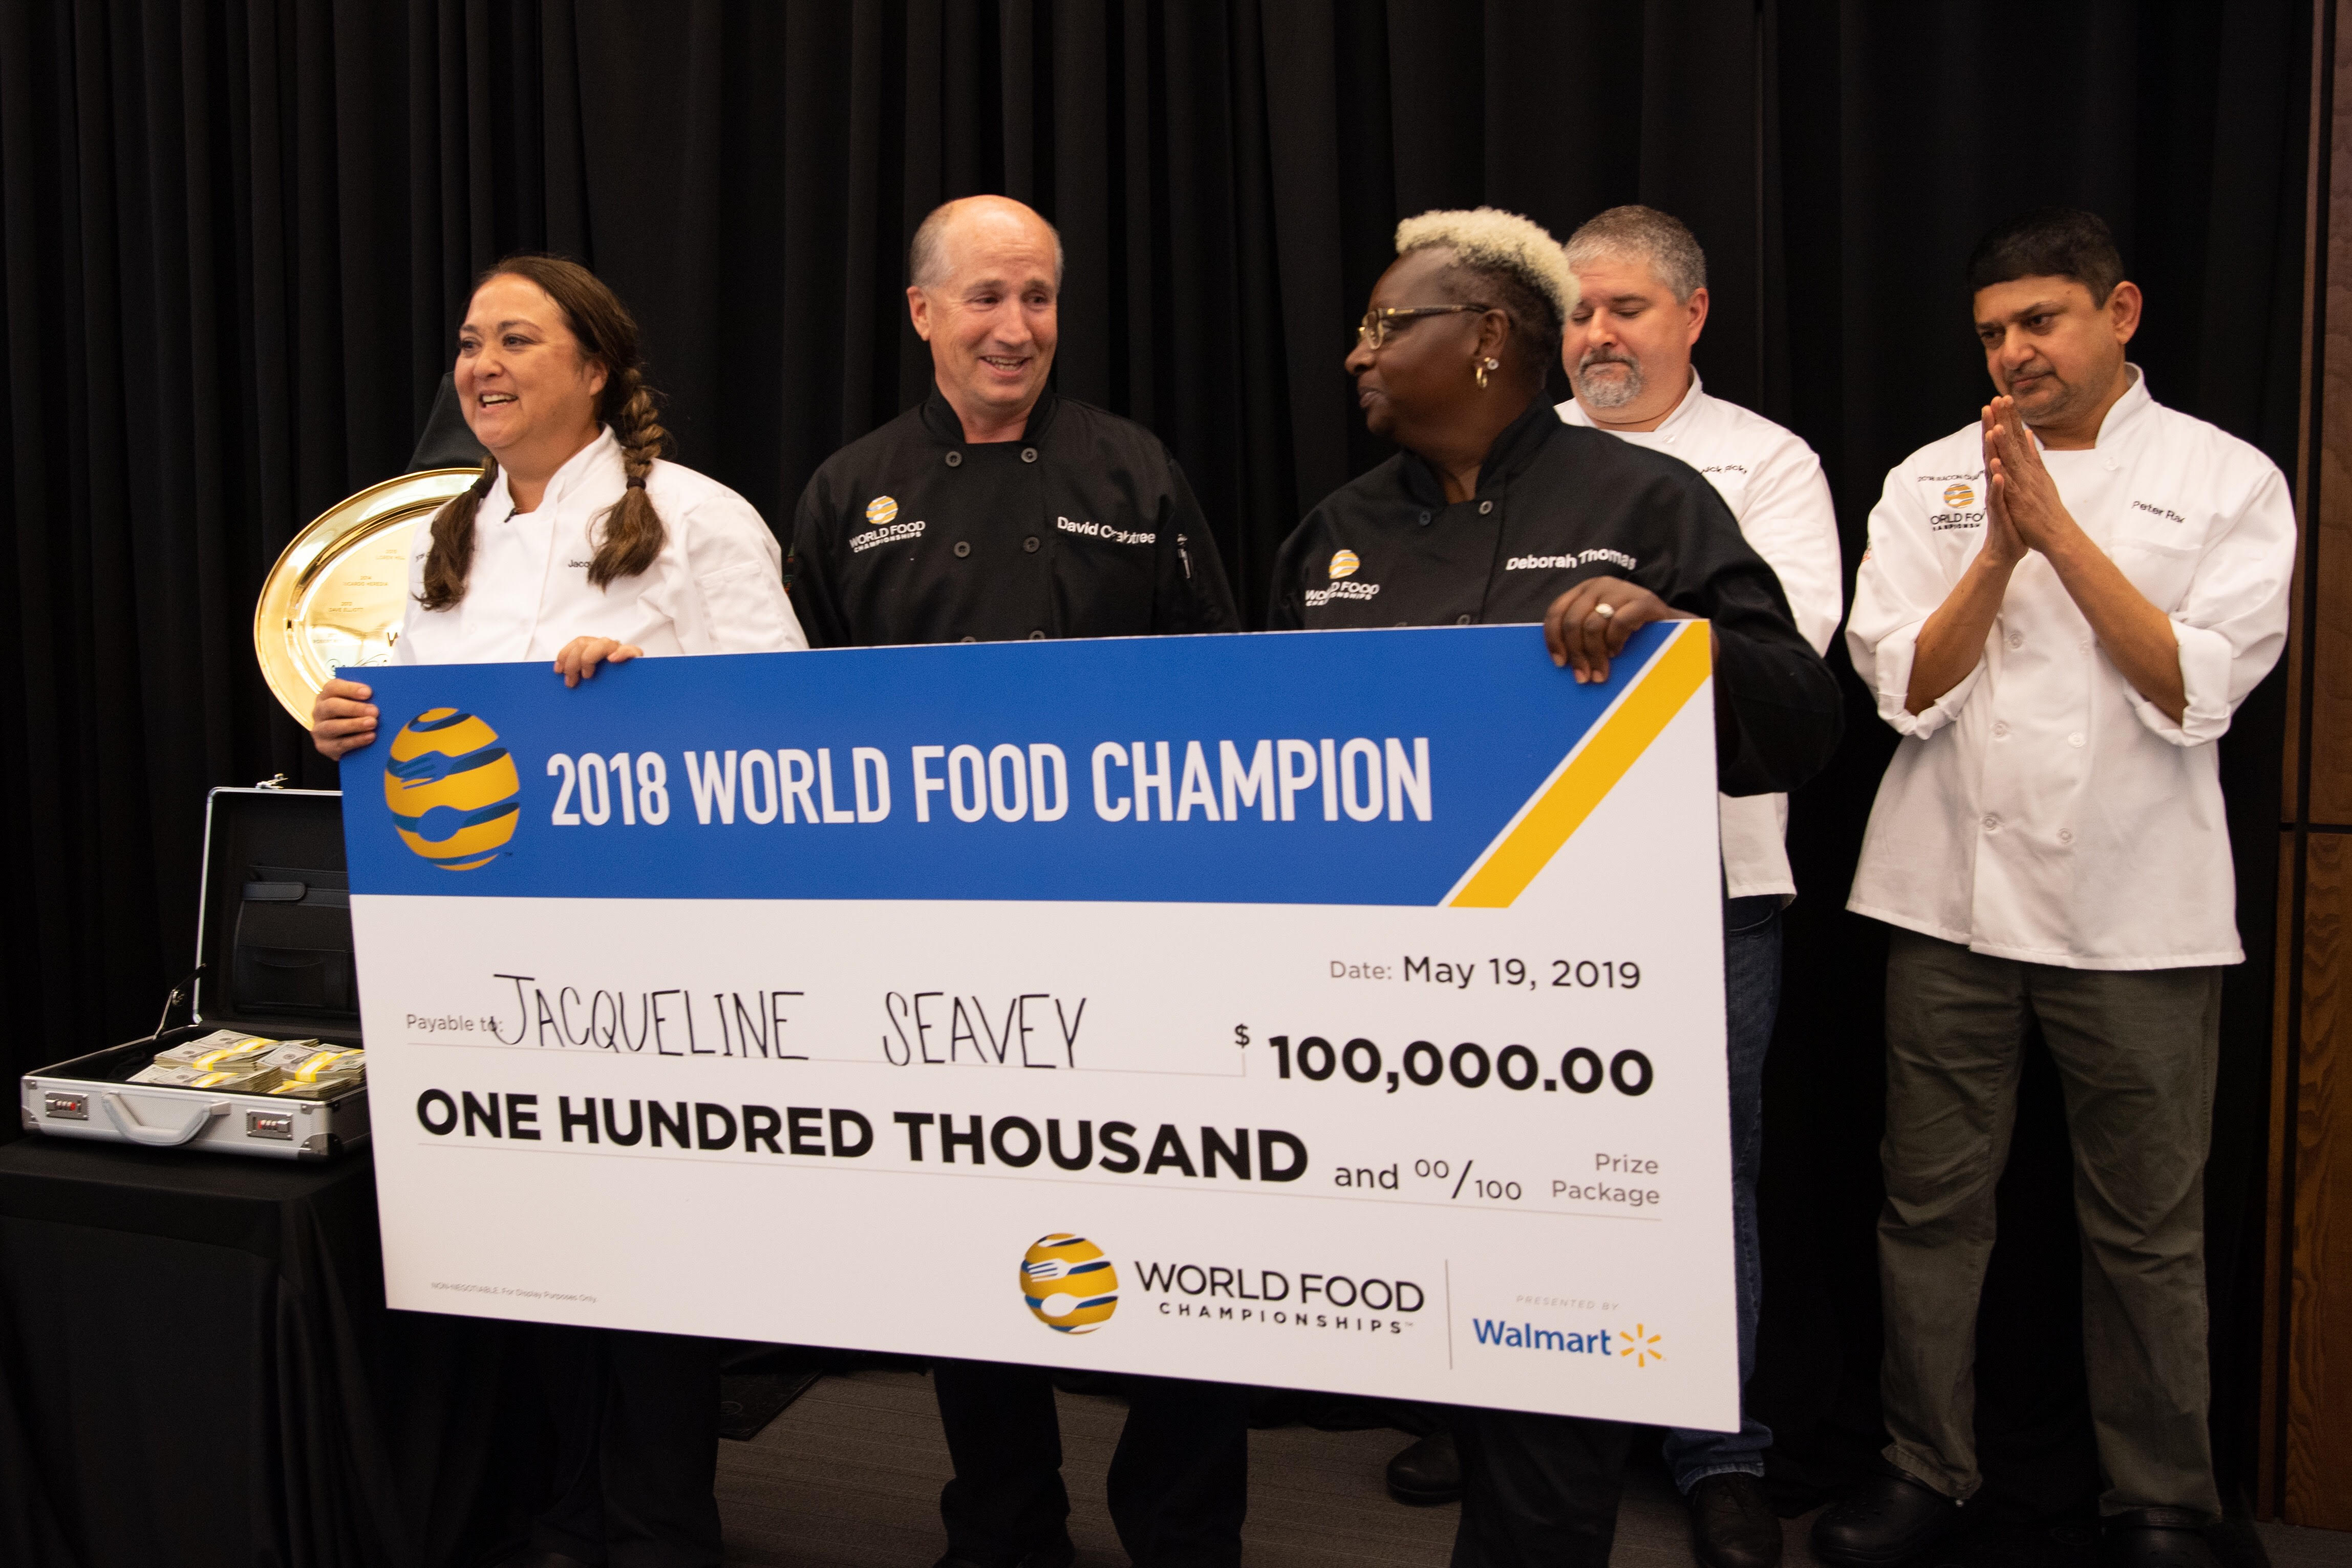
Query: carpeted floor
{"points": [[848, 1477]]}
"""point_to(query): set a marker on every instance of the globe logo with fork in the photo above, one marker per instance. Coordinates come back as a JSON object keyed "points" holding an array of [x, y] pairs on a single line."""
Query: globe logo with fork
{"points": [[1069, 1284]]}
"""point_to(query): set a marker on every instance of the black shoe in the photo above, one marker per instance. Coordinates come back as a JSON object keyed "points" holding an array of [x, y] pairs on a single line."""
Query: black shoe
{"points": [[1060, 1555], [1427, 1473], [1732, 1522], [1888, 1518], [536, 1559], [2156, 1538]]}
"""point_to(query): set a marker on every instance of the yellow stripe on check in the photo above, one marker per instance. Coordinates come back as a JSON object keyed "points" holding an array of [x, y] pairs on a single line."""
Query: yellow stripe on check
{"points": [[1681, 667]]}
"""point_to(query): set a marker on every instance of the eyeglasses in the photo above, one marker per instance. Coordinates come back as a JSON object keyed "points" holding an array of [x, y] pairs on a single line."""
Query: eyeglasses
{"points": [[1373, 329]]}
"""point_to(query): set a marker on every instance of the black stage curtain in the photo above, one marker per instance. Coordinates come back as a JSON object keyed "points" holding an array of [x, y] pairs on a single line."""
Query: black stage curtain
{"points": [[239, 233]]}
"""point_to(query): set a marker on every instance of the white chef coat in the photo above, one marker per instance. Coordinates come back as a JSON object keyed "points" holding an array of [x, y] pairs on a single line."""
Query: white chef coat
{"points": [[1773, 485], [2042, 809], [716, 587]]}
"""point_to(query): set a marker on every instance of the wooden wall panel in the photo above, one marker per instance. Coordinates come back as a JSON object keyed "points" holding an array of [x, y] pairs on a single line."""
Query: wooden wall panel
{"points": [[2305, 1446], [2278, 1250], [2318, 1439]]}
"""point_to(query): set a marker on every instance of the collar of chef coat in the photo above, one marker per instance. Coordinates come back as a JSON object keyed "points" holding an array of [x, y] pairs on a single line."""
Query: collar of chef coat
{"points": [[1514, 448], [946, 425], [578, 470], [1573, 412], [2126, 412]]}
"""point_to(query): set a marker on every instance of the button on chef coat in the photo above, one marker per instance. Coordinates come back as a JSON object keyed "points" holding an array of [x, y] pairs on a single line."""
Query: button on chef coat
{"points": [[2042, 809], [1085, 526], [1558, 504], [716, 587], [1773, 485]]}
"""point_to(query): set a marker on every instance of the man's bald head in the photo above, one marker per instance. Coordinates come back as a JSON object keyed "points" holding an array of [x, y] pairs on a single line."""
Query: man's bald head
{"points": [[931, 260], [985, 295]]}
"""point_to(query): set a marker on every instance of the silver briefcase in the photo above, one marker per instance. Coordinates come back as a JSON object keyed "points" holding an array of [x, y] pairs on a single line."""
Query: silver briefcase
{"points": [[273, 959]]}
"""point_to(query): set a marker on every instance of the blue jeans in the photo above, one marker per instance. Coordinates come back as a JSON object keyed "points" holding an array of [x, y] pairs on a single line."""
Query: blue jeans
{"points": [[1751, 999]]}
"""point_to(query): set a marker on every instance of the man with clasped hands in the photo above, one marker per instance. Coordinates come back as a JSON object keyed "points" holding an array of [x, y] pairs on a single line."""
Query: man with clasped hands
{"points": [[995, 511], [2061, 605]]}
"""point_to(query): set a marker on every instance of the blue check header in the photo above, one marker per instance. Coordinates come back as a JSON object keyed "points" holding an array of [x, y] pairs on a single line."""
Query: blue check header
{"points": [[1298, 767]]}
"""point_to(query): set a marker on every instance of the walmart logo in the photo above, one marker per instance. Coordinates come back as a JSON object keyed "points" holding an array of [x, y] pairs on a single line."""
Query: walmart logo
{"points": [[1641, 1346], [1069, 1285], [1527, 1336], [452, 788]]}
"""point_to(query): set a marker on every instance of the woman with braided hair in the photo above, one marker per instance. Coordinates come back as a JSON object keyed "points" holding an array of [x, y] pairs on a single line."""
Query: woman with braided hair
{"points": [[578, 545]]}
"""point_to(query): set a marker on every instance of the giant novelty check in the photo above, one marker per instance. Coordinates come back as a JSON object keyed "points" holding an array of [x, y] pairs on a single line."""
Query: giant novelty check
{"points": [[1337, 1010]]}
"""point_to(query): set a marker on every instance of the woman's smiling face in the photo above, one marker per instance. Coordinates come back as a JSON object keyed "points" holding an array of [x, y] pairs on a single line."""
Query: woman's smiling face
{"points": [[522, 377], [1425, 368]]}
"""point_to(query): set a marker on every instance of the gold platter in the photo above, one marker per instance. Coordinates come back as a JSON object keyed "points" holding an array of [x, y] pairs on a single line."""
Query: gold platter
{"points": [[337, 594]]}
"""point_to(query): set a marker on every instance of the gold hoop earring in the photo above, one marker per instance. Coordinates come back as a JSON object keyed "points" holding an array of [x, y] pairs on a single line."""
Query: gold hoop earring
{"points": [[1483, 366]]}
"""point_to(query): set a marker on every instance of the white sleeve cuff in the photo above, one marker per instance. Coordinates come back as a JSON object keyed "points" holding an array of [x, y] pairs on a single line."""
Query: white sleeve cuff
{"points": [[1895, 653], [2205, 661]]}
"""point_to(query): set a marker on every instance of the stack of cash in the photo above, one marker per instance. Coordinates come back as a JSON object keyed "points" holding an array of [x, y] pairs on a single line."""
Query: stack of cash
{"points": [[251, 1065], [317, 1072], [225, 1048], [221, 1060], [245, 1077]]}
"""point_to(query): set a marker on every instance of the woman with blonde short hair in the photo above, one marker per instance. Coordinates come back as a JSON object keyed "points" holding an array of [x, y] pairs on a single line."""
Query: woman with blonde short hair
{"points": [[1493, 511]]}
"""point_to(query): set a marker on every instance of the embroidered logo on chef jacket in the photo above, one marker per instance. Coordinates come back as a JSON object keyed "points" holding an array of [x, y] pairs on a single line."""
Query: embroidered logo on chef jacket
{"points": [[1952, 501], [1345, 584], [2167, 512], [883, 527]]}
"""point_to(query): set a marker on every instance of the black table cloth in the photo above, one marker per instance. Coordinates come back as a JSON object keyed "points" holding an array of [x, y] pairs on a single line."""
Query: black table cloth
{"points": [[197, 1368]]}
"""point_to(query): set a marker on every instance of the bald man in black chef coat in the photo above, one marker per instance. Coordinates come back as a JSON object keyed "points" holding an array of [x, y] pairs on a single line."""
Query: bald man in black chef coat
{"points": [[997, 511]]}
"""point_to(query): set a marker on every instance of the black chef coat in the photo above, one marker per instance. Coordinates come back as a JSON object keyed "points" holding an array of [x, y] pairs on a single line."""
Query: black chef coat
{"points": [[1558, 504], [1083, 527]]}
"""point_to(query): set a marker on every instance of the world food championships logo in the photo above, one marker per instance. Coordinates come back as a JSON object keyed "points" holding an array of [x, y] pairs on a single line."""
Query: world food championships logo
{"points": [[884, 527], [1069, 1285], [452, 789]]}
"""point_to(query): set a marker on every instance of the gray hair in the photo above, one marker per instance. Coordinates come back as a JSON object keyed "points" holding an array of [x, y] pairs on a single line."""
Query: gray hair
{"points": [[927, 255], [1659, 238]]}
